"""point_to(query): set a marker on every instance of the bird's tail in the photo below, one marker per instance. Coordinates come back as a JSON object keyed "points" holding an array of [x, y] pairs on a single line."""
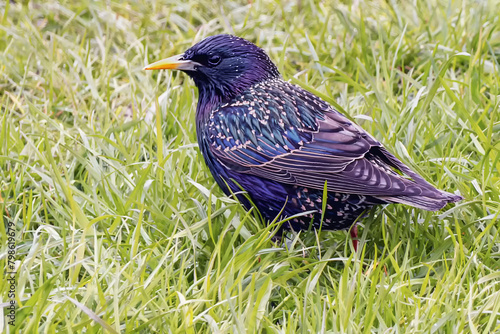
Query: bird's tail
{"points": [[428, 203], [429, 198]]}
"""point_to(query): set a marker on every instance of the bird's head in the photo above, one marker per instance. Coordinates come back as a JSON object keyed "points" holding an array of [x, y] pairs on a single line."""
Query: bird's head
{"points": [[222, 65]]}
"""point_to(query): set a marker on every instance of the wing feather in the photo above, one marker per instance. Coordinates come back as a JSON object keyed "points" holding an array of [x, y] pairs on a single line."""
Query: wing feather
{"points": [[290, 136]]}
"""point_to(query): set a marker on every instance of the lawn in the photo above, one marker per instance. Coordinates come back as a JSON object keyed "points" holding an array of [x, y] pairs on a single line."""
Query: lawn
{"points": [[118, 226]]}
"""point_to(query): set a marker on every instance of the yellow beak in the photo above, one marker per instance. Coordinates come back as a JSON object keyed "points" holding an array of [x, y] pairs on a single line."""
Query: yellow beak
{"points": [[174, 63]]}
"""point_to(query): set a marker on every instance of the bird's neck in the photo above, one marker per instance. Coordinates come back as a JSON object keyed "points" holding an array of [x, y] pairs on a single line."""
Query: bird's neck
{"points": [[207, 101]]}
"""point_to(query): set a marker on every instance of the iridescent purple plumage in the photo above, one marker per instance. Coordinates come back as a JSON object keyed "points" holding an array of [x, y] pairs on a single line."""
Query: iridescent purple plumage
{"points": [[283, 145]]}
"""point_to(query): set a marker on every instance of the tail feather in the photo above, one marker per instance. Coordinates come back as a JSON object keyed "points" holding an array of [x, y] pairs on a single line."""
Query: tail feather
{"points": [[425, 202], [429, 198]]}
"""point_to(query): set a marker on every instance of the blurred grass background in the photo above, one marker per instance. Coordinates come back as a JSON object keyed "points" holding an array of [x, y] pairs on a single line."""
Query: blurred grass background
{"points": [[121, 228]]}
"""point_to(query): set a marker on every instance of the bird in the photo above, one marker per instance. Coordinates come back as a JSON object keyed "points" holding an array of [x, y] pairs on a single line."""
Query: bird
{"points": [[286, 148]]}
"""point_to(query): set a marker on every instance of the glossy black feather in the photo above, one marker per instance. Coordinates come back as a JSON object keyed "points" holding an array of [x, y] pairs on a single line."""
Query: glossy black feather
{"points": [[281, 144]]}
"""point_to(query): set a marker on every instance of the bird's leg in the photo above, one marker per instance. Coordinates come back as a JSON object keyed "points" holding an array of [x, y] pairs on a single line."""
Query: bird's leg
{"points": [[354, 237]]}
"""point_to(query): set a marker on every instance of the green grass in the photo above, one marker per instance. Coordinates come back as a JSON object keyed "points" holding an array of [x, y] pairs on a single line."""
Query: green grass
{"points": [[121, 228]]}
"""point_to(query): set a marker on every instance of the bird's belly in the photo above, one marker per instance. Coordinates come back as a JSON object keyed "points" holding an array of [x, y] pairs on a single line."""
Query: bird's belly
{"points": [[340, 210], [271, 198]]}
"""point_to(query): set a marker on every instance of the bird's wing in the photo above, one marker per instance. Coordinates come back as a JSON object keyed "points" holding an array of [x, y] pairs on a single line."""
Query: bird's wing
{"points": [[281, 132]]}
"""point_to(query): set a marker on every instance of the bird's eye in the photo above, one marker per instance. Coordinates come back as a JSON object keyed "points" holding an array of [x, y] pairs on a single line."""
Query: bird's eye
{"points": [[213, 60]]}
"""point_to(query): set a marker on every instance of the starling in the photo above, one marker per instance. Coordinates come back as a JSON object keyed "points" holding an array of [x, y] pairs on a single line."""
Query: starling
{"points": [[284, 145]]}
